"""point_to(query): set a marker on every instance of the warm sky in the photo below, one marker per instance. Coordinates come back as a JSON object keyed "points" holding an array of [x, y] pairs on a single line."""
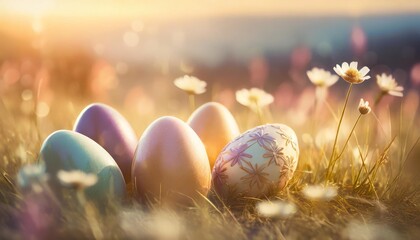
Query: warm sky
{"points": [[191, 8], [76, 17]]}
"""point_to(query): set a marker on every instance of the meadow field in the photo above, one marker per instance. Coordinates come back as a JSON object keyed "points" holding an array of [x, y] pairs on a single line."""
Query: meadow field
{"points": [[348, 89]]}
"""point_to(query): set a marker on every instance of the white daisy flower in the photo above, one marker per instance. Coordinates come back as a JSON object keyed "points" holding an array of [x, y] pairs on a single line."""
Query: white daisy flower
{"points": [[321, 78], [32, 176], [319, 192], [273, 209], [350, 72], [388, 85], [254, 98], [364, 107], [191, 85], [77, 179]]}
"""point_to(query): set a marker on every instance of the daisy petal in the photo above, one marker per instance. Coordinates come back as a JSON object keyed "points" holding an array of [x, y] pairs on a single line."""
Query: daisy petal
{"points": [[364, 71], [345, 66], [396, 94], [339, 70], [310, 74], [336, 70], [353, 65]]}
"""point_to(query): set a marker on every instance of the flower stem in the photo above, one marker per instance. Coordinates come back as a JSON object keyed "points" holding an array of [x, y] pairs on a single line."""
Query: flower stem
{"points": [[260, 116], [90, 215], [320, 96], [358, 174], [259, 113], [345, 144], [192, 102], [379, 97], [338, 131]]}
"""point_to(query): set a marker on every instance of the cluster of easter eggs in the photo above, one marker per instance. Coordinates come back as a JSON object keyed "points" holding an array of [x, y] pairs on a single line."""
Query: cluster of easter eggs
{"points": [[174, 162]]}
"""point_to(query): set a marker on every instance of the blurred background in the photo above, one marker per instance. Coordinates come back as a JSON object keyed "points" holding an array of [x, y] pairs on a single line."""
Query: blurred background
{"points": [[127, 53]]}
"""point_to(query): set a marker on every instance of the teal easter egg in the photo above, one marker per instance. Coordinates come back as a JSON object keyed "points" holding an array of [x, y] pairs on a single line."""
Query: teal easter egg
{"points": [[68, 150]]}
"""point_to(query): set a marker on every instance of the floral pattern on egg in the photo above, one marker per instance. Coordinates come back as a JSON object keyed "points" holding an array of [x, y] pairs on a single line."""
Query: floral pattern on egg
{"points": [[257, 163]]}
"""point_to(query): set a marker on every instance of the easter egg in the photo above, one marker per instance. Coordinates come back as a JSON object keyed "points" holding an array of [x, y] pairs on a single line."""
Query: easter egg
{"points": [[258, 163], [68, 150], [111, 130], [170, 164], [215, 126]]}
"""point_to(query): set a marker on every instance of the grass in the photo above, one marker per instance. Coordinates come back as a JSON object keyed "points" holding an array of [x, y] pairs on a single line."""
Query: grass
{"points": [[377, 196]]}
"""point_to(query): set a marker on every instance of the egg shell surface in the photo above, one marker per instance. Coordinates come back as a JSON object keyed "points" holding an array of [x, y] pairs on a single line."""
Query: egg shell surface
{"points": [[258, 163], [170, 164], [215, 126], [68, 150], [111, 130]]}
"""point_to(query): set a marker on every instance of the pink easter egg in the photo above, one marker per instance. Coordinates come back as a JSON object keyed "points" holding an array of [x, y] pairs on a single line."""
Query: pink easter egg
{"points": [[170, 164]]}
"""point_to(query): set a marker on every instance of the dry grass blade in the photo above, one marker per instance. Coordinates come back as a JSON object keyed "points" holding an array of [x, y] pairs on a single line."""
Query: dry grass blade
{"points": [[212, 205]]}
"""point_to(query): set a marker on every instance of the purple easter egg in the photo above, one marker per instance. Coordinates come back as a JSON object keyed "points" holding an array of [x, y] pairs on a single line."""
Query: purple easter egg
{"points": [[110, 129]]}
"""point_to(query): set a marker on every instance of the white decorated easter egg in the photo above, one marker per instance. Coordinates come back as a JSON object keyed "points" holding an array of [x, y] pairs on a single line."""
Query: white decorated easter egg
{"points": [[111, 130], [257, 163], [215, 126], [170, 164]]}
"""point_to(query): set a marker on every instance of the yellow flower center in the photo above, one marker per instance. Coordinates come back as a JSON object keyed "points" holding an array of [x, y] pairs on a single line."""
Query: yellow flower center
{"points": [[320, 82], [352, 75], [254, 99]]}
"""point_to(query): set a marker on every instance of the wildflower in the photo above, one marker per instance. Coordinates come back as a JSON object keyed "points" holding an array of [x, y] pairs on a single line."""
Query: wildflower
{"points": [[32, 176], [191, 85], [319, 192], [321, 78], [351, 74], [254, 98], [365, 230], [364, 107], [272, 209], [152, 225], [388, 85], [77, 179], [80, 181]]}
